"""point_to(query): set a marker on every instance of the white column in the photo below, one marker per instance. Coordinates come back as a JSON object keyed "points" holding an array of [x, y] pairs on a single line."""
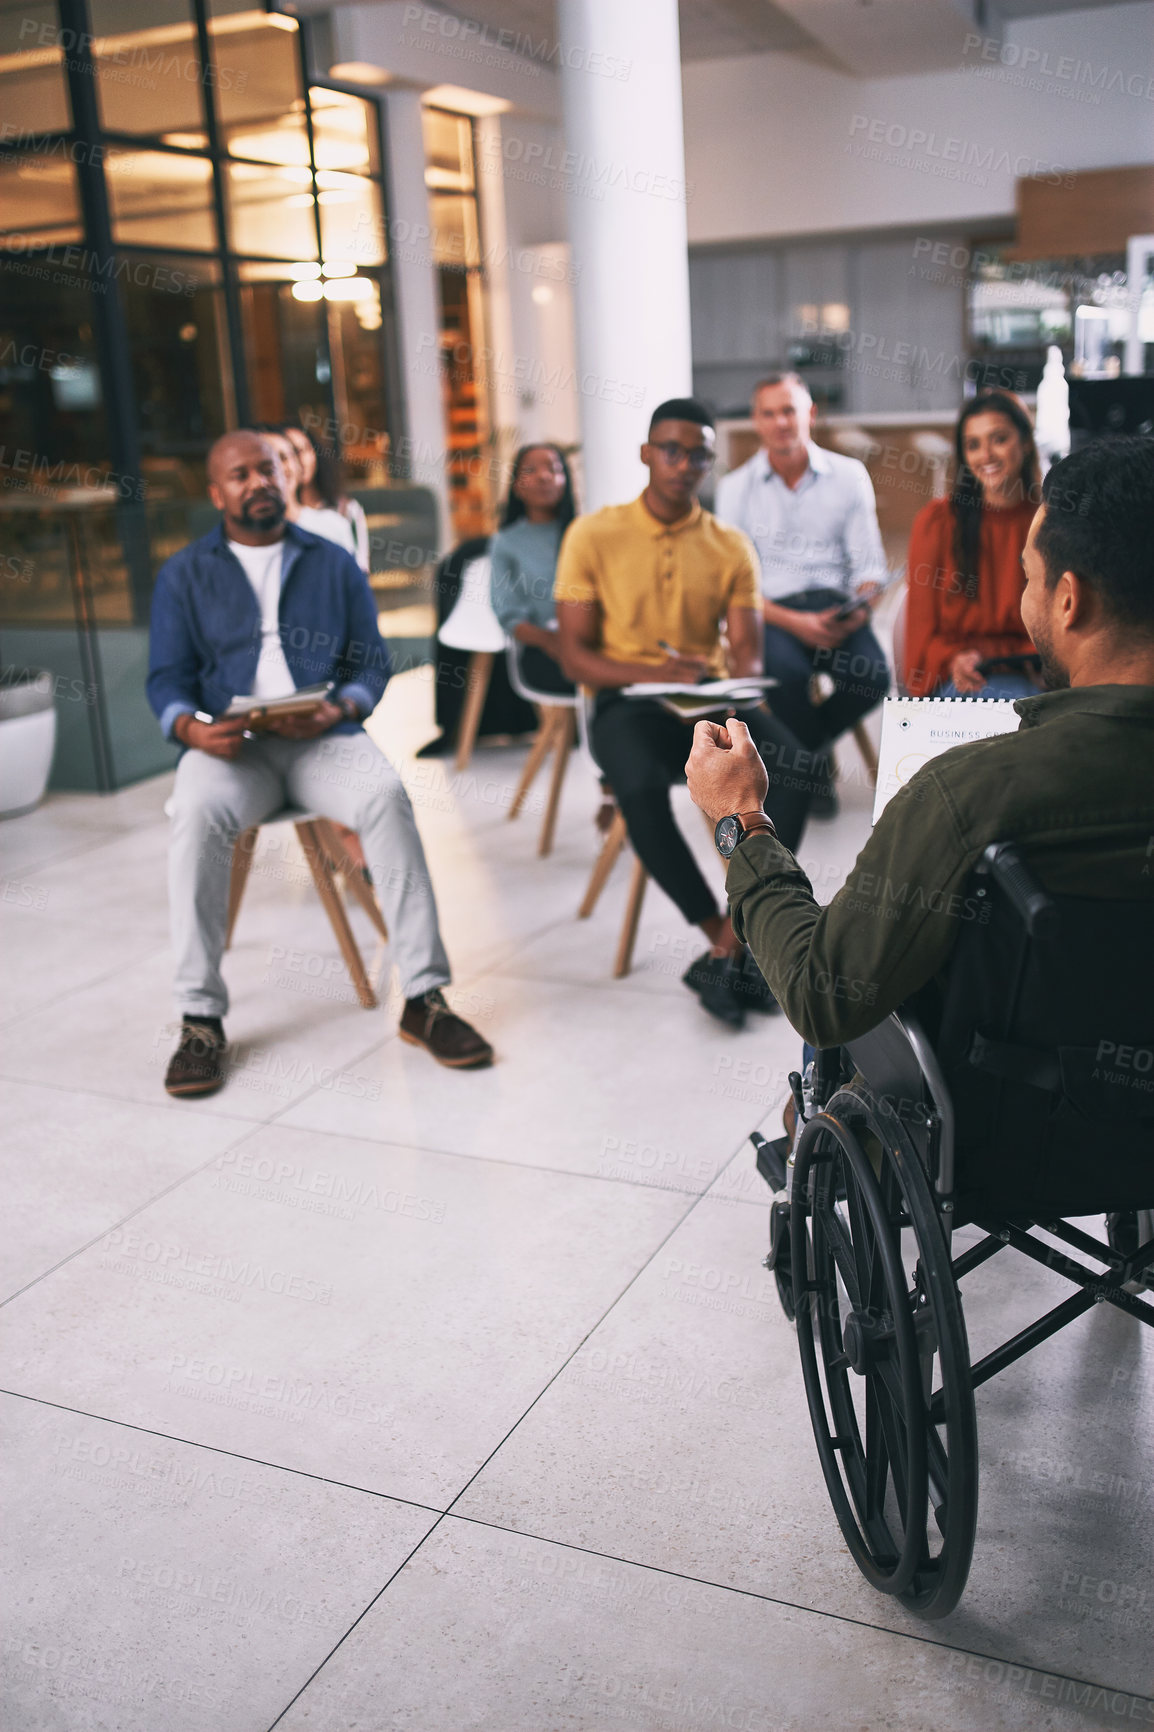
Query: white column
{"points": [[418, 307], [501, 370], [625, 174]]}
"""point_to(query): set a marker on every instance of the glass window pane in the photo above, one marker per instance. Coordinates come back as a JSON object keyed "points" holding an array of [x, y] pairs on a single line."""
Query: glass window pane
{"points": [[352, 223], [39, 201], [358, 383], [179, 354], [52, 425], [259, 97], [148, 80], [448, 150], [270, 211], [160, 199], [280, 138], [456, 240], [345, 132], [286, 354], [33, 88], [50, 391]]}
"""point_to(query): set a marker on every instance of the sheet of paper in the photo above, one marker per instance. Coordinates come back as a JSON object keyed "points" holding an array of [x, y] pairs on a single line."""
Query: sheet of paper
{"points": [[914, 730], [706, 689]]}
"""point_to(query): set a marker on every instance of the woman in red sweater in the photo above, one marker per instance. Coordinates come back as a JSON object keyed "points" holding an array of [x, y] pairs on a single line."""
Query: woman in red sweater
{"points": [[965, 582]]}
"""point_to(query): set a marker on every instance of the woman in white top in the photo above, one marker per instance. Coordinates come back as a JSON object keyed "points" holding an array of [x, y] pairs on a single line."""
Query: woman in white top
{"points": [[323, 498], [318, 521]]}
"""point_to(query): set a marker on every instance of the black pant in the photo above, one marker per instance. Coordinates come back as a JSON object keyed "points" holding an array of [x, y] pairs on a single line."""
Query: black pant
{"points": [[641, 747], [541, 673], [857, 667]]}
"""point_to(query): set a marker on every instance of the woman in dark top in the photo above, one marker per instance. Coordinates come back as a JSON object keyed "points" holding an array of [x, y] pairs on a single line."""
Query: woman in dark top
{"points": [[965, 585], [524, 551]]}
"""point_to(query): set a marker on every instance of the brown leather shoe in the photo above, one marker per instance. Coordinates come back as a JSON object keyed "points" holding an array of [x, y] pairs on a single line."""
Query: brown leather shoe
{"points": [[428, 1022], [197, 1065]]}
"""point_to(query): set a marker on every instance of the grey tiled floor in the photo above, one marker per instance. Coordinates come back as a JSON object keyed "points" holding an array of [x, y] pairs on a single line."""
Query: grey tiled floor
{"points": [[368, 1395]]}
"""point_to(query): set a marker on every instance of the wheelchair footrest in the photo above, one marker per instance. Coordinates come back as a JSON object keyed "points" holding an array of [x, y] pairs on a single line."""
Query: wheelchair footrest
{"points": [[771, 1159]]}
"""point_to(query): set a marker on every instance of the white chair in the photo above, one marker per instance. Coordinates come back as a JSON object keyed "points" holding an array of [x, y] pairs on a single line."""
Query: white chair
{"points": [[936, 452], [854, 442], [473, 626], [556, 734]]}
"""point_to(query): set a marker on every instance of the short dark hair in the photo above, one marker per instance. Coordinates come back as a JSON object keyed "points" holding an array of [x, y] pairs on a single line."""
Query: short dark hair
{"points": [[1099, 510], [681, 409]]}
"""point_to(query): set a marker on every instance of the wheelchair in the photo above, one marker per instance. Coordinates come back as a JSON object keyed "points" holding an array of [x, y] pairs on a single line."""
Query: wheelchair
{"points": [[1015, 1099]]}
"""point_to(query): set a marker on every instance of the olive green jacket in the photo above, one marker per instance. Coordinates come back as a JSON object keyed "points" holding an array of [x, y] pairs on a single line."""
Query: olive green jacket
{"points": [[1074, 788]]}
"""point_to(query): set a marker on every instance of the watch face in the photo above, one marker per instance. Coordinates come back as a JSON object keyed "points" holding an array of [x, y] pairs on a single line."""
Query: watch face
{"points": [[727, 835]]}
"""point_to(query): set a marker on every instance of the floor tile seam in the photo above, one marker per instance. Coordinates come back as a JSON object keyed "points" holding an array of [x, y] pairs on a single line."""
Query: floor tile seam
{"points": [[36, 1082], [569, 1358], [44, 862], [136, 961], [787, 1605], [218, 1449], [361, 1615], [249, 1130], [489, 1160]]}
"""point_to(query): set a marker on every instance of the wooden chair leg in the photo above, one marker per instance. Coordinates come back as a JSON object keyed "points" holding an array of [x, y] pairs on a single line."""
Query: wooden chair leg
{"points": [[866, 747], [624, 959], [242, 853], [614, 842], [351, 866], [538, 752], [320, 866], [477, 689], [564, 731], [347, 842]]}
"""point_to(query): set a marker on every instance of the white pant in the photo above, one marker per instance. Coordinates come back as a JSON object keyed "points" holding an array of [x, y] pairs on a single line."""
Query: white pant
{"points": [[339, 776]]}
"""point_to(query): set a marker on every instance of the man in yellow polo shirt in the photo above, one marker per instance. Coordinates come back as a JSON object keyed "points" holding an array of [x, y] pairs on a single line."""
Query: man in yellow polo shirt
{"points": [[643, 591]]}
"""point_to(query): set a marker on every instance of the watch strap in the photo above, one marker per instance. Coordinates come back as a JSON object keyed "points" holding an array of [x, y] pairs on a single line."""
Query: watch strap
{"points": [[754, 824]]}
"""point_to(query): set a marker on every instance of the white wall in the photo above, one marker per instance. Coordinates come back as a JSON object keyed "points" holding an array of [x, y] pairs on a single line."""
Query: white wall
{"points": [[774, 142]]}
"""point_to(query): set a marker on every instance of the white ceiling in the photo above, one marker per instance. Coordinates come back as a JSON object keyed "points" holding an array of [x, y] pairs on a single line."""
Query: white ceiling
{"points": [[861, 36]]}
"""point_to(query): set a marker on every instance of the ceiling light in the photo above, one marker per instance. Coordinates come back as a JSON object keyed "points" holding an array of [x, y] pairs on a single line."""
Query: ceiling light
{"points": [[350, 289], [359, 72], [464, 101], [307, 292], [338, 268]]}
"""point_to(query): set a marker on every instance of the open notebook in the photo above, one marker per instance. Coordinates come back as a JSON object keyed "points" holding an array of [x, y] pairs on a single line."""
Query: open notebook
{"points": [[914, 730]]}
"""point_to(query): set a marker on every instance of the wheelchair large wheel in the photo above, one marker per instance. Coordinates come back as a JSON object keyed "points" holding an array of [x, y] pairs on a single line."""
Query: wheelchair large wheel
{"points": [[900, 1459]]}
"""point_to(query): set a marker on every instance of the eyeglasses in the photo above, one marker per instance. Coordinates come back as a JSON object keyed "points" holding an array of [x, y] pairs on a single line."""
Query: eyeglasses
{"points": [[697, 456]]}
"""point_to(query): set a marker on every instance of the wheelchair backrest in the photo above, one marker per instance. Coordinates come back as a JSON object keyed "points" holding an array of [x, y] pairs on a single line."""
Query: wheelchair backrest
{"points": [[1047, 1044]]}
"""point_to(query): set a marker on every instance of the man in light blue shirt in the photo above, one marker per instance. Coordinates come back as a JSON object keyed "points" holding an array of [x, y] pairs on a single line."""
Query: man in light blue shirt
{"points": [[811, 515]]}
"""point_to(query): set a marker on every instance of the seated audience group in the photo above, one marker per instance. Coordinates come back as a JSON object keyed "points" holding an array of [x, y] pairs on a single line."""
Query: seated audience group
{"points": [[779, 579]]}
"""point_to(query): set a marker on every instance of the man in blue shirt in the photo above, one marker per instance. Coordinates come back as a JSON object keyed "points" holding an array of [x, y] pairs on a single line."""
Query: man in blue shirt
{"points": [[261, 608], [811, 515]]}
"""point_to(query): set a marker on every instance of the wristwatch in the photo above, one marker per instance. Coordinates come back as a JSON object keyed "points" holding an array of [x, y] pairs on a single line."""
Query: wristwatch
{"points": [[730, 831], [349, 707]]}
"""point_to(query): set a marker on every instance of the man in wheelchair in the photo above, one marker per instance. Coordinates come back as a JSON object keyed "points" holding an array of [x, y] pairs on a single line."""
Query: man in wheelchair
{"points": [[980, 998]]}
